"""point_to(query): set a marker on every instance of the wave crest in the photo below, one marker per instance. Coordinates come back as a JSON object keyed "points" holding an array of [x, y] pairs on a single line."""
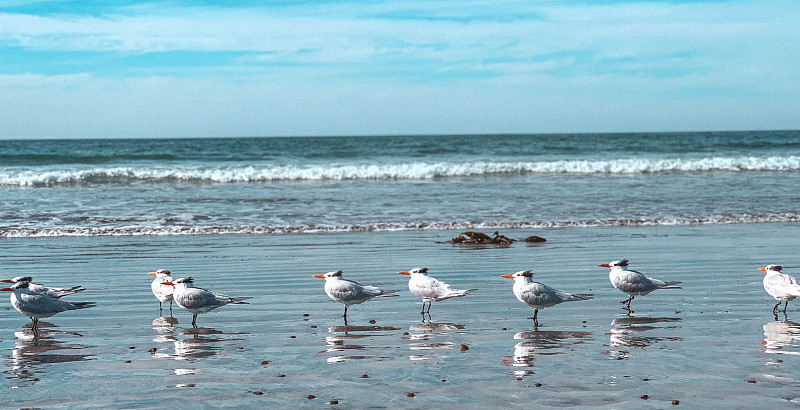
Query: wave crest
{"points": [[406, 171], [388, 227]]}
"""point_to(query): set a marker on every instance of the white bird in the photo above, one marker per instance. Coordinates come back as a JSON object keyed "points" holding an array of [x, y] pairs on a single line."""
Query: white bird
{"points": [[780, 286], [348, 292], [634, 283], [161, 291], [199, 300], [538, 295], [53, 292], [38, 305], [430, 289]]}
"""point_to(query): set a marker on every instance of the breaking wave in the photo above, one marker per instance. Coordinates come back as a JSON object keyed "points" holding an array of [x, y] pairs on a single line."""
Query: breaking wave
{"points": [[404, 171], [387, 227]]}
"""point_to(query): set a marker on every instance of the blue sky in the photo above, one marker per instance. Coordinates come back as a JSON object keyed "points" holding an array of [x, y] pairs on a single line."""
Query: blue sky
{"points": [[284, 68]]}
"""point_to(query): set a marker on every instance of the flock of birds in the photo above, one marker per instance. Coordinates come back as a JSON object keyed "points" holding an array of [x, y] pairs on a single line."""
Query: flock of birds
{"points": [[38, 301]]}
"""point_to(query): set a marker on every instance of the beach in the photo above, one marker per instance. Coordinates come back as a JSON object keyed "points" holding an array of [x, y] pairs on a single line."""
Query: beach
{"points": [[714, 342]]}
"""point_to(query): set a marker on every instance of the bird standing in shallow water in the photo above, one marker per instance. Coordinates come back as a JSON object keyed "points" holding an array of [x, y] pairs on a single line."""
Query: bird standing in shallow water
{"points": [[38, 305], [780, 286], [161, 291], [538, 295], [430, 289], [199, 300], [634, 283], [348, 292]]}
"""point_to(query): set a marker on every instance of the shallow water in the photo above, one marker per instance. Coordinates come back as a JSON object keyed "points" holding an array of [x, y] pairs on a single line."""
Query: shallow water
{"points": [[714, 342]]}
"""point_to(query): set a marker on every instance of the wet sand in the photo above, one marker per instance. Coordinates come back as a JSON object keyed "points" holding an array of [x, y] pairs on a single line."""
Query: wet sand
{"points": [[713, 343]]}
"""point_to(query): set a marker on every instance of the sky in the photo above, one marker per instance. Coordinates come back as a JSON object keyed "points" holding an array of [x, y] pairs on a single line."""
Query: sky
{"points": [[201, 68]]}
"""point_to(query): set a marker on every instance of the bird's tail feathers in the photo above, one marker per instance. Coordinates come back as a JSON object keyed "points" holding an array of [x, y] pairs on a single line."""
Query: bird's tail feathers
{"points": [[455, 293], [82, 305], [583, 296], [239, 300], [388, 294], [672, 285]]}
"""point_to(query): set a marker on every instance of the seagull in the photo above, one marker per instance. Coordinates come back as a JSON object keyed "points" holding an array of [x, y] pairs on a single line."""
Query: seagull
{"points": [[161, 291], [38, 305], [538, 295], [53, 292], [430, 289], [632, 282], [780, 286], [199, 300], [348, 292]]}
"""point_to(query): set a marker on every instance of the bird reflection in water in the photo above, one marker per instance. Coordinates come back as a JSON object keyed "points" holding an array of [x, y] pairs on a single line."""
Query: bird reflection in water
{"points": [[541, 343], [35, 350], [639, 332], [780, 337], [431, 337], [192, 343], [341, 343]]}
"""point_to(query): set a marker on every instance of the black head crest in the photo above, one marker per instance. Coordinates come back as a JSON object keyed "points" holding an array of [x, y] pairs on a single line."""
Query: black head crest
{"points": [[623, 262], [337, 273]]}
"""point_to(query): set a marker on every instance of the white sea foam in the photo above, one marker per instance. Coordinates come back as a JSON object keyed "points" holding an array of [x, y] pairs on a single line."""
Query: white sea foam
{"points": [[403, 171], [388, 227]]}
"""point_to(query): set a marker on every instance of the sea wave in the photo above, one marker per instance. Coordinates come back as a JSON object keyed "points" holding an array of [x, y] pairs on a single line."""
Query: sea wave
{"points": [[398, 171], [387, 227]]}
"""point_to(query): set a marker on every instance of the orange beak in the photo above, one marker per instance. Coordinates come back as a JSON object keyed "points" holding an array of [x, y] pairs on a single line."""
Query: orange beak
{"points": [[168, 283], [152, 273], [7, 290], [404, 272], [761, 269], [321, 276], [605, 265], [507, 276], [7, 281]]}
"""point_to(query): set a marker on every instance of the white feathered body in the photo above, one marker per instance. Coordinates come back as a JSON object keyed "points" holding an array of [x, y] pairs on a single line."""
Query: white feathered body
{"points": [[635, 283], [198, 300], [39, 305], [781, 286], [538, 295], [431, 289], [162, 292], [349, 292]]}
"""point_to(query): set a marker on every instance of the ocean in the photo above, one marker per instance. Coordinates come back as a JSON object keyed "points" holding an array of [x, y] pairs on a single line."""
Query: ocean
{"points": [[280, 185], [258, 217]]}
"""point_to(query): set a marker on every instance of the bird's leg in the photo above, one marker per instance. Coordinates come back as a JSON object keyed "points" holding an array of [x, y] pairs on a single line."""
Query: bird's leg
{"points": [[423, 307], [194, 320], [159, 308], [35, 322], [785, 306], [535, 320], [170, 308], [430, 302], [775, 309]]}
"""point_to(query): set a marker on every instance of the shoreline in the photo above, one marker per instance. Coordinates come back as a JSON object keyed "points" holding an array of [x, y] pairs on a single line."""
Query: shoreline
{"points": [[701, 345]]}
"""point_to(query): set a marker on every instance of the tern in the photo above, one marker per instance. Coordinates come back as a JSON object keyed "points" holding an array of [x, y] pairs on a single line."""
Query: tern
{"points": [[430, 289], [53, 292], [780, 286], [538, 295], [634, 283], [199, 300], [37, 305], [348, 292], [161, 291]]}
